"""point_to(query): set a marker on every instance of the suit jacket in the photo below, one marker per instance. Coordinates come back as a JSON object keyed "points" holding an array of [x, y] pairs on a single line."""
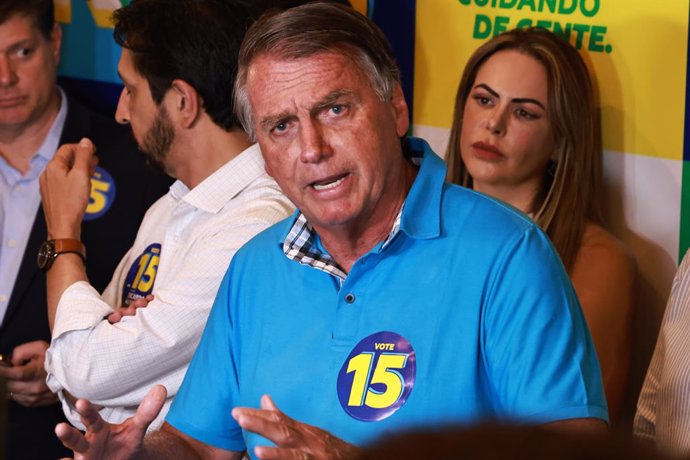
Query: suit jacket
{"points": [[30, 431]]}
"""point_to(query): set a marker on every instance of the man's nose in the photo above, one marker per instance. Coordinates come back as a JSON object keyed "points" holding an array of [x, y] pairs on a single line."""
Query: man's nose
{"points": [[314, 146], [122, 111], [8, 76]]}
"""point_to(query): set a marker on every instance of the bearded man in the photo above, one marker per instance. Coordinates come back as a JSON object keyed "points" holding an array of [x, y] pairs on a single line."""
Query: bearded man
{"points": [[178, 71]]}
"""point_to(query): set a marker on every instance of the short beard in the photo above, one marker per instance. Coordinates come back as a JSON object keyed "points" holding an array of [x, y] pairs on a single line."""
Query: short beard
{"points": [[158, 139]]}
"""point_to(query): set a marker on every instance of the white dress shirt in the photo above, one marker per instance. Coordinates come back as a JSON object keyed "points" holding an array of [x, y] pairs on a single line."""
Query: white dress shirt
{"points": [[663, 409], [114, 365]]}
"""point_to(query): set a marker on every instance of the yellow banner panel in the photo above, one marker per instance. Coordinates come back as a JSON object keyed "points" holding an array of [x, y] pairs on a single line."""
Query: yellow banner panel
{"points": [[359, 5], [636, 49], [63, 11]]}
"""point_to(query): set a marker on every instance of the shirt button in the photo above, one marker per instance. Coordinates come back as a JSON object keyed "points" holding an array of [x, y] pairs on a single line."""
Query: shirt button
{"points": [[350, 298], [3, 298], [11, 243]]}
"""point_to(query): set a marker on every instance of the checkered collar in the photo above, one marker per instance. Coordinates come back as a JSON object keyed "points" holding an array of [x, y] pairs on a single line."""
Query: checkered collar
{"points": [[303, 246]]}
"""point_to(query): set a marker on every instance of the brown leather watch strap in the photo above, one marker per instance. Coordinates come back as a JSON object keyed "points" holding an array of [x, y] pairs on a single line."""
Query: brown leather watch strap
{"points": [[69, 246], [63, 245]]}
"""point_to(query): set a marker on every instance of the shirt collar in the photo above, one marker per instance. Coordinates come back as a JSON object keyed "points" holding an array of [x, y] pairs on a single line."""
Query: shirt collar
{"points": [[52, 140], [214, 192], [419, 216]]}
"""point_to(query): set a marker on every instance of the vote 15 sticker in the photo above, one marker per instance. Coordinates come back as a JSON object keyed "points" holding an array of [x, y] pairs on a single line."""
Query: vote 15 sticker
{"points": [[141, 275], [102, 194], [377, 377]]}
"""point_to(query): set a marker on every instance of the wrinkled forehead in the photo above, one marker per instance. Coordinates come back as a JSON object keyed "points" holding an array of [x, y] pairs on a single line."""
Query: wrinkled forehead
{"points": [[320, 70], [288, 69]]}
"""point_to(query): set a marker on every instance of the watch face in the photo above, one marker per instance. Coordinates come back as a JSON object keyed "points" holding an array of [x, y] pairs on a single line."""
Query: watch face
{"points": [[46, 254]]}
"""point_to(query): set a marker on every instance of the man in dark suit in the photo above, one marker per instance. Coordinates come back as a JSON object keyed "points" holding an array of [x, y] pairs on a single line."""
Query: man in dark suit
{"points": [[36, 117]]}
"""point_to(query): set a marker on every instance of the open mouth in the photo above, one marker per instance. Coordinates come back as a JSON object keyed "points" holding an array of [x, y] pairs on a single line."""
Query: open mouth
{"points": [[329, 183]]}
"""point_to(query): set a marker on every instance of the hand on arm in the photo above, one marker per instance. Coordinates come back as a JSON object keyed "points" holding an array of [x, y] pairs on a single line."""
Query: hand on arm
{"points": [[294, 440], [26, 378], [129, 310], [65, 190]]}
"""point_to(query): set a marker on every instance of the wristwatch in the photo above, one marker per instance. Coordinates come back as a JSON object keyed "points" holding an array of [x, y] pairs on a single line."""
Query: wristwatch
{"points": [[51, 249]]}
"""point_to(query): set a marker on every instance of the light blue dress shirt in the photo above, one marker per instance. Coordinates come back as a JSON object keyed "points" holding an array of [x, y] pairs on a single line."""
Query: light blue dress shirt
{"points": [[20, 198]]}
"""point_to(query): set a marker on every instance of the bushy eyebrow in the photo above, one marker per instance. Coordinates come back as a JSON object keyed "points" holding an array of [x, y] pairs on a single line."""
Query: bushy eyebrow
{"points": [[22, 43], [518, 100], [270, 121], [329, 100]]}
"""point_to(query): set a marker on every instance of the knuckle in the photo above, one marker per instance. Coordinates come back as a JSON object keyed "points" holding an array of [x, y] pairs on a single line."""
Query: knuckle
{"points": [[286, 433]]}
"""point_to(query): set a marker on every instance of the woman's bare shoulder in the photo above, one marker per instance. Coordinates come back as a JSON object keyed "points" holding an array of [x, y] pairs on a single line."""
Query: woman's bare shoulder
{"points": [[601, 242], [600, 251]]}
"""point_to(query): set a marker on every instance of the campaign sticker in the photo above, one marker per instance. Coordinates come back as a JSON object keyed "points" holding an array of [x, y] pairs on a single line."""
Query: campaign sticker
{"points": [[377, 377], [141, 275], [102, 194]]}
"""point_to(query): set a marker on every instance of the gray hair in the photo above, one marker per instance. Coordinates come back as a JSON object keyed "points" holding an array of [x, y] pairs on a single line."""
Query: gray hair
{"points": [[310, 29]]}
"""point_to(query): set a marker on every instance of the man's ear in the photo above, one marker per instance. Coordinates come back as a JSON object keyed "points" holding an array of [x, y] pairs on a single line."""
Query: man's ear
{"points": [[400, 111], [186, 102], [56, 42]]}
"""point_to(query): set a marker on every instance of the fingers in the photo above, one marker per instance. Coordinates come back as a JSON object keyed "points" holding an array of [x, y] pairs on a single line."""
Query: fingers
{"points": [[34, 399], [267, 411], [90, 417], [143, 302], [26, 351], [280, 453], [64, 157], [33, 386], [114, 317], [20, 373], [272, 425], [268, 404], [129, 310], [7, 372], [75, 156], [150, 407], [71, 438], [84, 156]]}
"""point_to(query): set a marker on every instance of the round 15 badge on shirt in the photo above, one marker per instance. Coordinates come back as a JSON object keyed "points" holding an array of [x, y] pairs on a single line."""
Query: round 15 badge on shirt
{"points": [[377, 376], [102, 194], [141, 275]]}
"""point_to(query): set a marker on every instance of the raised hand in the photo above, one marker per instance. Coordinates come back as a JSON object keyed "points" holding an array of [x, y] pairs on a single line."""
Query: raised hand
{"points": [[293, 439], [104, 440], [66, 187]]}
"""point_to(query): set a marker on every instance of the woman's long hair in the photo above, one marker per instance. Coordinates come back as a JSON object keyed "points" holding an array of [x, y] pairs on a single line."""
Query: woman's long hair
{"points": [[570, 191]]}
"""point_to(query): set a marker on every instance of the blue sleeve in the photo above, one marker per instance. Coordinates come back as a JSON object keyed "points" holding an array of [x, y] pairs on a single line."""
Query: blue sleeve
{"points": [[538, 352], [202, 407]]}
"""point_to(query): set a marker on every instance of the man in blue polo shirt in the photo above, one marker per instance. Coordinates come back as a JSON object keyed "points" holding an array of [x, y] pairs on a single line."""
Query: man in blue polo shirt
{"points": [[390, 300]]}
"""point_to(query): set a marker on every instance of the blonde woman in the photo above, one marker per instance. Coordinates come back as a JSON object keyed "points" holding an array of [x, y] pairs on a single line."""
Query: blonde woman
{"points": [[526, 131]]}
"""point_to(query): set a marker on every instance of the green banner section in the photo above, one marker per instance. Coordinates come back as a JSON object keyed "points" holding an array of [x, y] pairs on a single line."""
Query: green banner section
{"points": [[684, 243]]}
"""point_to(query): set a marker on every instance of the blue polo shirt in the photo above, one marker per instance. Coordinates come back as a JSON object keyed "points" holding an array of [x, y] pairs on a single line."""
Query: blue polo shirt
{"points": [[465, 315]]}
